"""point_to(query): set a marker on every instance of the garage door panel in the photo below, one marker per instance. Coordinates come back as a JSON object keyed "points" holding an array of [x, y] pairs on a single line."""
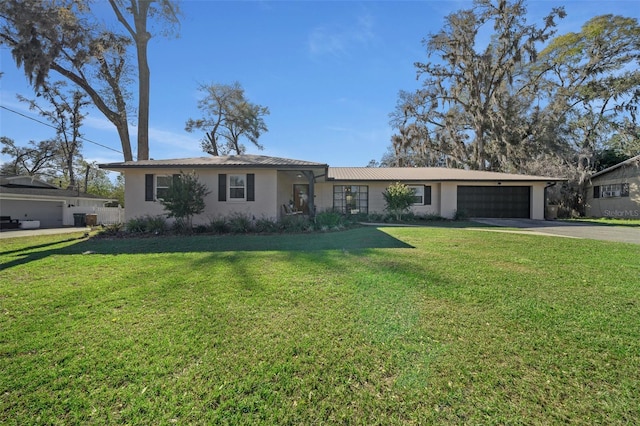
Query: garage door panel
{"points": [[49, 213], [495, 201]]}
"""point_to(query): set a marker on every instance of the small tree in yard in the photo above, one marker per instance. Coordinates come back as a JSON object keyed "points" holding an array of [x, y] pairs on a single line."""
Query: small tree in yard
{"points": [[185, 198], [398, 198]]}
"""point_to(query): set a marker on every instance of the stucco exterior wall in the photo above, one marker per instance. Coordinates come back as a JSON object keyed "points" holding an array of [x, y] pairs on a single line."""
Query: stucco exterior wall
{"points": [[274, 188], [444, 196], [621, 207], [265, 204], [324, 196]]}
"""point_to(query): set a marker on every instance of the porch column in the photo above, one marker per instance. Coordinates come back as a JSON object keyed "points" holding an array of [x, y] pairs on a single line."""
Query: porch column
{"points": [[311, 202]]}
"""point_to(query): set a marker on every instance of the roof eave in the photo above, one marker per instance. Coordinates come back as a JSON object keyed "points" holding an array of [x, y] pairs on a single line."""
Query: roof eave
{"points": [[626, 162], [117, 167], [544, 179]]}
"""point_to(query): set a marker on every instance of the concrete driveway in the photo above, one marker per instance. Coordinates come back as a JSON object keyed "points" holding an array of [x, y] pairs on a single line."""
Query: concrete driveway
{"points": [[14, 233], [623, 234]]}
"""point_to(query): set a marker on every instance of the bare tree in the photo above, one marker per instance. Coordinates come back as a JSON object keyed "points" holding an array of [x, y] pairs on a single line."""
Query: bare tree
{"points": [[228, 117], [66, 116], [36, 159]]}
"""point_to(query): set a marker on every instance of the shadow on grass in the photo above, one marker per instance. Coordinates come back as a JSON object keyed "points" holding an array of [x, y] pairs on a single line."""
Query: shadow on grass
{"points": [[350, 240]]}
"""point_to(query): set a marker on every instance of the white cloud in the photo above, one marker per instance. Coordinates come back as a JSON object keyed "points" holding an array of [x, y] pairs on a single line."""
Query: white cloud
{"points": [[336, 39]]}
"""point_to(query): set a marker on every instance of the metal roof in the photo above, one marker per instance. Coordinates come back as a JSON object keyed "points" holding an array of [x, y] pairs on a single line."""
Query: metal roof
{"points": [[29, 186], [628, 161], [46, 192], [228, 161], [425, 174]]}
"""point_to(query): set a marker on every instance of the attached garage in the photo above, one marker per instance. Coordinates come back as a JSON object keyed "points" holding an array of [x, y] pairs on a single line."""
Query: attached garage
{"points": [[495, 201], [49, 213]]}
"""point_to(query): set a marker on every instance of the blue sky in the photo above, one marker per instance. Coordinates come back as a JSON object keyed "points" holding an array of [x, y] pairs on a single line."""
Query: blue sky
{"points": [[329, 71]]}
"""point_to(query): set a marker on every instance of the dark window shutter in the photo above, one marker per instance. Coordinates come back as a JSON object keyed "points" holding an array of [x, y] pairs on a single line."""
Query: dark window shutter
{"points": [[596, 192], [222, 187], [148, 187], [624, 190], [427, 195], [251, 187]]}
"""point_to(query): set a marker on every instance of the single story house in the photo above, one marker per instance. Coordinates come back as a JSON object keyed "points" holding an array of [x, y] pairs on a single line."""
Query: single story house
{"points": [[271, 187], [26, 198], [615, 191]]}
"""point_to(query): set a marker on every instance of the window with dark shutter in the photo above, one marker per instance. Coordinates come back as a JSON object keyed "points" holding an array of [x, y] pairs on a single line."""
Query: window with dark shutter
{"points": [[596, 192], [251, 187], [222, 187], [427, 195], [148, 187]]}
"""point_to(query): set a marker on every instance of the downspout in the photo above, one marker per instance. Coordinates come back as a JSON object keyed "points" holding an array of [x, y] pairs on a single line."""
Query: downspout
{"points": [[549, 185]]}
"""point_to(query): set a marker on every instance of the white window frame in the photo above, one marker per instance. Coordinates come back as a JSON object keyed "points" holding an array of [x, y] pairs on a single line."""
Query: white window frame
{"points": [[158, 186], [613, 190], [243, 178], [418, 191]]}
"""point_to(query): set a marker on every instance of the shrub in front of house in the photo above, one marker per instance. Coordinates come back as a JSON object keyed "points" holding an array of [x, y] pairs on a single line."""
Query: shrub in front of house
{"points": [[430, 217], [398, 199], [296, 223], [218, 225], [147, 224], [266, 225], [460, 215], [240, 223], [329, 220]]}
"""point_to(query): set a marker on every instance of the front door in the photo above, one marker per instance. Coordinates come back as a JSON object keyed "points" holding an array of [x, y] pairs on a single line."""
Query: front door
{"points": [[301, 198]]}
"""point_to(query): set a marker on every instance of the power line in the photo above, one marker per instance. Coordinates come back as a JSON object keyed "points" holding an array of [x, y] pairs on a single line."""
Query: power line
{"points": [[53, 127]]}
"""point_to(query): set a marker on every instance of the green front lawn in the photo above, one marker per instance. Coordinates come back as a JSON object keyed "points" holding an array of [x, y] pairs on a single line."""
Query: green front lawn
{"points": [[366, 326]]}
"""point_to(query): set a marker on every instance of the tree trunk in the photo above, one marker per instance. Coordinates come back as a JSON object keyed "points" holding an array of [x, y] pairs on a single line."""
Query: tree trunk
{"points": [[479, 147], [144, 76], [115, 118]]}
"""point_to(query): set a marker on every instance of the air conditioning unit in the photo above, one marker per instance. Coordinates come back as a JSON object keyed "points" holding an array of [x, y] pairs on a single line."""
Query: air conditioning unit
{"points": [[609, 194]]}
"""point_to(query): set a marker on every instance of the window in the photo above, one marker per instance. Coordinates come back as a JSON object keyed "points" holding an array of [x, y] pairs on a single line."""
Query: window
{"points": [[422, 195], [351, 199], [614, 190], [237, 185], [162, 185], [418, 195]]}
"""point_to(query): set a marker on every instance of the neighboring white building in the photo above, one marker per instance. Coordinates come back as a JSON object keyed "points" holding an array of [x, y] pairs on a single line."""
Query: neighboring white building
{"points": [[615, 191], [270, 187], [26, 198]]}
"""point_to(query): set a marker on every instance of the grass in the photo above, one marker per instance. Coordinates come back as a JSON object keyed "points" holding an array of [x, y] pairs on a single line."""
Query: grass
{"points": [[366, 326]]}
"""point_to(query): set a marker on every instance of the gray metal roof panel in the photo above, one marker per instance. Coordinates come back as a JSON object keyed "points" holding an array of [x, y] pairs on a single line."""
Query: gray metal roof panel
{"points": [[425, 174], [230, 161]]}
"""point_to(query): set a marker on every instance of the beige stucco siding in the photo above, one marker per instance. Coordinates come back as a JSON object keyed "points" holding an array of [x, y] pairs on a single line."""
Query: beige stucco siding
{"points": [[324, 196], [263, 206], [621, 207], [274, 188], [444, 196]]}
